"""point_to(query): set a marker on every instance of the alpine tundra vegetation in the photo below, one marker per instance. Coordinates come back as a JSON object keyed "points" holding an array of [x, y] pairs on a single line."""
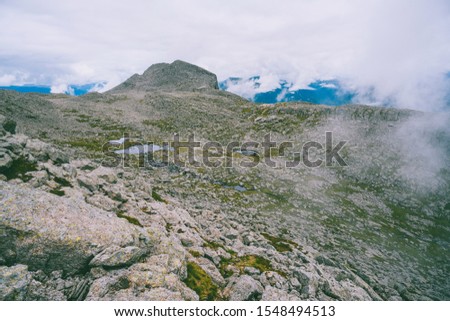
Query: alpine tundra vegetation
{"points": [[83, 219]]}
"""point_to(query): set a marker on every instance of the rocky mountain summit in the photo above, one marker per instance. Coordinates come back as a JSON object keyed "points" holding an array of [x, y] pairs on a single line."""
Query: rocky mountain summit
{"points": [[81, 221], [177, 76]]}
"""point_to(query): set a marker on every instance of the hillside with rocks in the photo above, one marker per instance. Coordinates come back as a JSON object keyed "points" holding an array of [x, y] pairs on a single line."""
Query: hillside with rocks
{"points": [[83, 217]]}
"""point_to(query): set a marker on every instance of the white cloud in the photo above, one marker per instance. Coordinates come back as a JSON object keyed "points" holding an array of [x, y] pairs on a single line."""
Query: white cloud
{"points": [[59, 89], [399, 48], [62, 89], [7, 79]]}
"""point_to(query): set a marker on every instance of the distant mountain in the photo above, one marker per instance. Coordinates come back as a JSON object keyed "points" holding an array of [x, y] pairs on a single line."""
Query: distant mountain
{"points": [[326, 92], [29, 89], [177, 76]]}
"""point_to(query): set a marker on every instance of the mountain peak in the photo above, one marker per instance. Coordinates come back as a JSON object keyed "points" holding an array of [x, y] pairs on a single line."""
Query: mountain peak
{"points": [[177, 76]]}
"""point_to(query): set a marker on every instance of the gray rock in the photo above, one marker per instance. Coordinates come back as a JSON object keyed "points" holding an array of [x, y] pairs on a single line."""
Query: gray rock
{"points": [[273, 279], [151, 280], [102, 202], [57, 156], [88, 183], [212, 255], [49, 233], [322, 259], [104, 173], [79, 292], [308, 280], [273, 294], [51, 291], [36, 146], [5, 160], [44, 152], [244, 288], [211, 270], [231, 234], [116, 256], [12, 144], [251, 270], [14, 282]]}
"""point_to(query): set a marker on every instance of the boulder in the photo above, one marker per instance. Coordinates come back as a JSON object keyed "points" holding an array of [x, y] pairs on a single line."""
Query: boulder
{"points": [[153, 279], [104, 173], [273, 294], [273, 279], [251, 270], [116, 256], [14, 281], [44, 151], [49, 233], [244, 288], [5, 160]]}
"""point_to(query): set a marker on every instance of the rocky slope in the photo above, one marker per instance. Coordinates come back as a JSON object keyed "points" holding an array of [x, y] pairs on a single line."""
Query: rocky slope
{"points": [[74, 227]]}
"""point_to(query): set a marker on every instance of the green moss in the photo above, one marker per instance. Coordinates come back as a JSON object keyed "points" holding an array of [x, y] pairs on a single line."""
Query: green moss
{"points": [[87, 143], [166, 125], [255, 261], [223, 267], [62, 181], [83, 118], [281, 245], [57, 191], [169, 227], [213, 245], [246, 110], [19, 169], [201, 283], [43, 135], [130, 219], [276, 197], [110, 126], [104, 124], [195, 253], [88, 167], [157, 197], [70, 111]]}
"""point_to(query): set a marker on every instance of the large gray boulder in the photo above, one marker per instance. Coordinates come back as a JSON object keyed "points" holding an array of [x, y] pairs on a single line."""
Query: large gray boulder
{"points": [[47, 232], [244, 288], [43, 151], [177, 76], [154, 279]]}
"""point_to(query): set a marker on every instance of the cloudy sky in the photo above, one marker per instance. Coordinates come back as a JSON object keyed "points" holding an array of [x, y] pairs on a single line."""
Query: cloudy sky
{"points": [[396, 49]]}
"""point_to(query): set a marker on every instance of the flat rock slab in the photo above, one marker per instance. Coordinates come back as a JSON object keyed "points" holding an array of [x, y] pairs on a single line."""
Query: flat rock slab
{"points": [[47, 232]]}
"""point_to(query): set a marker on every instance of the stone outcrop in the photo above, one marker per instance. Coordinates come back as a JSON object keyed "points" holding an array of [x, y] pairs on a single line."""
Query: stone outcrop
{"points": [[47, 232], [177, 76]]}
